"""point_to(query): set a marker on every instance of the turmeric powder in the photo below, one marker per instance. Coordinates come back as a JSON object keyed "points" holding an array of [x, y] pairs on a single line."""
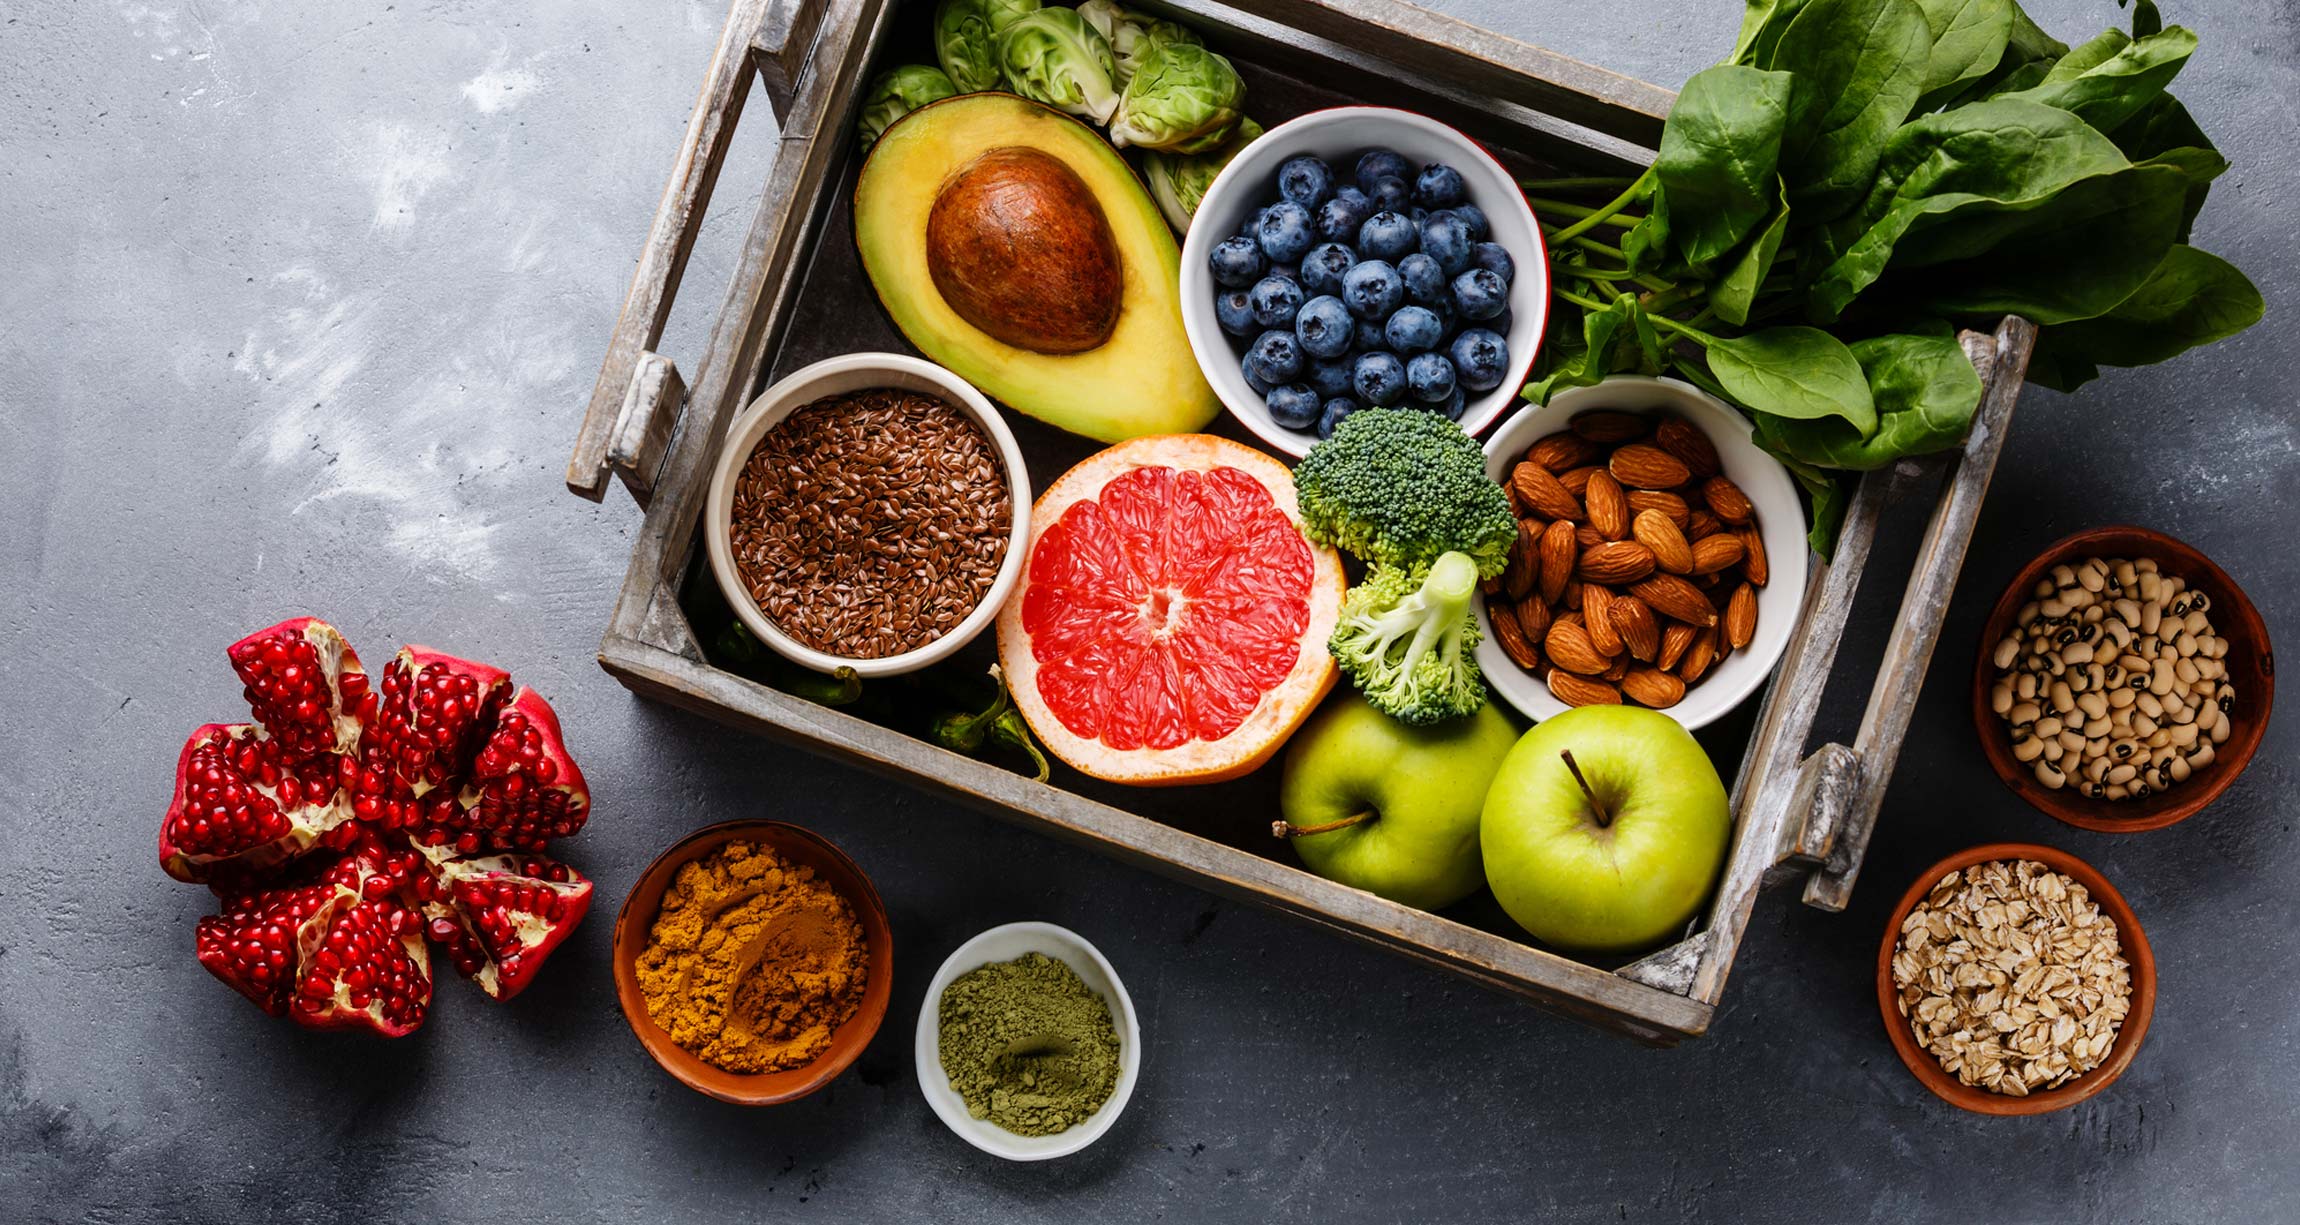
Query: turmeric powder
{"points": [[753, 962]]}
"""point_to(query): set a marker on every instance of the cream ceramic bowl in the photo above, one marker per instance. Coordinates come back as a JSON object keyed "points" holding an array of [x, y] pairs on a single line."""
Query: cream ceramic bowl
{"points": [[1780, 518], [1339, 135], [838, 376], [1005, 944]]}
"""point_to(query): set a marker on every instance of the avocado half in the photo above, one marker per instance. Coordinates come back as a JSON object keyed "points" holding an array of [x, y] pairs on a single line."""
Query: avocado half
{"points": [[1012, 244]]}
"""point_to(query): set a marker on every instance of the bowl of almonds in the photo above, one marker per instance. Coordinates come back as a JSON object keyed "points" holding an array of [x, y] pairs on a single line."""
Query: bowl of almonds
{"points": [[1660, 557], [2014, 979], [2123, 681]]}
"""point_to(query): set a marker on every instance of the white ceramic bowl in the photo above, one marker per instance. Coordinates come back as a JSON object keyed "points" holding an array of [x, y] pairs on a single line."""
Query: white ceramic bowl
{"points": [[1780, 518], [837, 376], [1339, 136], [1005, 944]]}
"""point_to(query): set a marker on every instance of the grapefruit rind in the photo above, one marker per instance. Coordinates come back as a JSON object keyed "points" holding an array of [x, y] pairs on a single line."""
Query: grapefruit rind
{"points": [[1282, 707]]}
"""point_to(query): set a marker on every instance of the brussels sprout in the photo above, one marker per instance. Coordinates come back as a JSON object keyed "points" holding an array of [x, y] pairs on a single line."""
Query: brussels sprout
{"points": [[1179, 181], [1132, 36], [896, 93], [1185, 99], [966, 39], [1054, 57]]}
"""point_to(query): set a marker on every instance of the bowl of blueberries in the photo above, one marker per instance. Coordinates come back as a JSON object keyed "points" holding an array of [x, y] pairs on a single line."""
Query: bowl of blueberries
{"points": [[1360, 257]]}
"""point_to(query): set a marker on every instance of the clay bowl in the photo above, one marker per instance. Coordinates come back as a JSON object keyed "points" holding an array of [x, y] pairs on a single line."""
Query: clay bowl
{"points": [[800, 847], [2130, 938], [2251, 668]]}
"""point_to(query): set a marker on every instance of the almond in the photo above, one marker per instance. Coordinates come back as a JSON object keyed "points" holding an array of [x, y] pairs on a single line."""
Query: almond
{"points": [[1641, 500], [1542, 495], [1572, 598], [1581, 691], [1753, 561], [1740, 621], [1653, 687], [1558, 551], [1675, 638], [1568, 646], [1588, 537], [1615, 562], [1616, 670], [1702, 524], [1512, 638], [1714, 553], [1608, 425], [1533, 620], [1562, 450], [1725, 500], [1653, 529], [1576, 480], [1524, 569], [1608, 509], [1634, 622], [1699, 656], [1596, 602], [1676, 599], [1641, 465], [1692, 448]]}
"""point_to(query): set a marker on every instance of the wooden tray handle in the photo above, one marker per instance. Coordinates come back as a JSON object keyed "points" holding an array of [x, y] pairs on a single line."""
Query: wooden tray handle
{"points": [[627, 427]]}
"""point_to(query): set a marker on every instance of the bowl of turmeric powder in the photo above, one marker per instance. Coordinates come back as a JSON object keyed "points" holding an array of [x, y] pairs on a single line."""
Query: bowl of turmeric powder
{"points": [[754, 962]]}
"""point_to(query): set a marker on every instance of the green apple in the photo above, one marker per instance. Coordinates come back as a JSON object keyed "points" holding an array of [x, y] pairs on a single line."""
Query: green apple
{"points": [[1605, 829], [1403, 803]]}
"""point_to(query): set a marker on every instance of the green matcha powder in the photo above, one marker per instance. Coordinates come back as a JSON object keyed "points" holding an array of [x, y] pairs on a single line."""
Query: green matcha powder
{"points": [[1029, 1046]]}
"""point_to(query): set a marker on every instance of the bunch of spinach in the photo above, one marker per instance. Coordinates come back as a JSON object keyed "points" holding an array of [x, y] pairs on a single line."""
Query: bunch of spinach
{"points": [[1862, 177]]}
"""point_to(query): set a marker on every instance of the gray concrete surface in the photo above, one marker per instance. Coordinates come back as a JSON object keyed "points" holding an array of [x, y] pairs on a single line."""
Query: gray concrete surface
{"points": [[300, 304]]}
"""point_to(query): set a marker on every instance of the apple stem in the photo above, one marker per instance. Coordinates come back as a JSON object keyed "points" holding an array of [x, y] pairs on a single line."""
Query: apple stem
{"points": [[1287, 829], [1604, 818]]}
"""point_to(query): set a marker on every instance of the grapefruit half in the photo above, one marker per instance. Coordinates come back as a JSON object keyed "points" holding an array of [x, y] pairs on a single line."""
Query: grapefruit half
{"points": [[1171, 622]]}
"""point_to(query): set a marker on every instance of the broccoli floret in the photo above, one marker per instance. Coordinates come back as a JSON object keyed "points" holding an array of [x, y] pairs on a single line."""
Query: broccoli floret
{"points": [[1404, 640], [1400, 486]]}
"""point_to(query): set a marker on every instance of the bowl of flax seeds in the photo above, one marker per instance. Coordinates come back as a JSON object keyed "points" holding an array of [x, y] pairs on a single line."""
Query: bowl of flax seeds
{"points": [[868, 512]]}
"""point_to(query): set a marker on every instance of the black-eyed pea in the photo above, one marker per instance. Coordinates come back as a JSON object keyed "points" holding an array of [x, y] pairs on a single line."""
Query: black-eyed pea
{"points": [[2197, 623], [2151, 586], [2050, 725], [2007, 651], [2202, 757], [2092, 576], [2178, 768], [2063, 698], [2121, 775], [2071, 740], [2093, 705], [2024, 687], [2078, 653], [2127, 611], [2119, 697], [2185, 671], [2151, 617], [2185, 644], [2160, 678], [2063, 575], [2183, 735], [2114, 793], [2094, 729], [2054, 606], [2148, 704], [2220, 731], [2001, 697], [2143, 726], [2050, 775], [2029, 749], [2160, 738], [2028, 612], [2024, 712]]}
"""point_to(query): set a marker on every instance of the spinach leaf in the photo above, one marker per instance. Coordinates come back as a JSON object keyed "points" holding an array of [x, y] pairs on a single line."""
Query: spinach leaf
{"points": [[2163, 132], [2192, 298], [1969, 39], [1719, 154], [2145, 19], [1796, 372], [1859, 66], [1645, 242], [1832, 494], [2108, 93], [1762, 22], [2088, 249], [1589, 363], [1735, 292], [1925, 390]]}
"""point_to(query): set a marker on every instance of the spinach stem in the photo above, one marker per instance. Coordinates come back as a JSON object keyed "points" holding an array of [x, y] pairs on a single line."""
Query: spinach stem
{"points": [[1619, 220], [1698, 378], [1597, 183], [1629, 195]]}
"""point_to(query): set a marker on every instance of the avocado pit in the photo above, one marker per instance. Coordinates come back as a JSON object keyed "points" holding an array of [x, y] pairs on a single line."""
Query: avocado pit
{"points": [[1019, 247]]}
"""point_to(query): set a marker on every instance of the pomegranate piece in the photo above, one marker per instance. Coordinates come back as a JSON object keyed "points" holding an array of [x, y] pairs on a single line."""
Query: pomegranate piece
{"points": [[261, 941], [523, 789], [369, 971], [304, 685], [244, 805], [433, 714], [498, 917]]}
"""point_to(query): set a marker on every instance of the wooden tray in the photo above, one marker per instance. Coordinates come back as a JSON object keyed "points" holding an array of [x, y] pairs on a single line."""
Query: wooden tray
{"points": [[799, 295]]}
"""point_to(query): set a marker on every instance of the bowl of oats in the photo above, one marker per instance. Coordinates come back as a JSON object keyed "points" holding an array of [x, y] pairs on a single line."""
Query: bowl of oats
{"points": [[2015, 980]]}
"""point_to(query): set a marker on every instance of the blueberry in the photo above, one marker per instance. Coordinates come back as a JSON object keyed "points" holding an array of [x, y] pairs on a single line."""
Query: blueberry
{"points": [[1480, 359], [1289, 272], [1253, 380], [1380, 378], [1494, 258], [1413, 329], [1336, 408], [1440, 186], [1234, 310], [1371, 289], [1419, 215], [1367, 336], [1445, 238], [1425, 281], [1324, 327], [1473, 217], [1293, 406], [1382, 163], [1253, 225], [1453, 404], [1284, 232], [1429, 378], [1390, 194], [1323, 267], [1330, 376], [1236, 262], [1479, 294], [1387, 235], [1305, 180], [1339, 218], [1500, 324], [1276, 300], [1275, 357]]}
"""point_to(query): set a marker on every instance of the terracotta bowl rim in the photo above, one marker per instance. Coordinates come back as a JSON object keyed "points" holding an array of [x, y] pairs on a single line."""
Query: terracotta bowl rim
{"points": [[852, 1038], [2256, 693], [2131, 938]]}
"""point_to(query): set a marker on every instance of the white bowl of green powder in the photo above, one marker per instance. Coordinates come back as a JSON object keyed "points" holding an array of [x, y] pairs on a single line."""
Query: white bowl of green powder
{"points": [[1028, 1046]]}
